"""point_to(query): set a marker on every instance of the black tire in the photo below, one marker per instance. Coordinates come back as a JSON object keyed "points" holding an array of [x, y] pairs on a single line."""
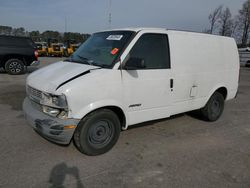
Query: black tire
{"points": [[14, 67], [214, 107], [98, 132]]}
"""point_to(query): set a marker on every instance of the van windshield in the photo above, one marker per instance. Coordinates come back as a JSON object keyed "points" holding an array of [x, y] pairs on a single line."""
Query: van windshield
{"points": [[102, 49]]}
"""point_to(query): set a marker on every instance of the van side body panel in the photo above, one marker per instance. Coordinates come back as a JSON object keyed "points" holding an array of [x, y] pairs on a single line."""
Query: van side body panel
{"points": [[201, 64]]}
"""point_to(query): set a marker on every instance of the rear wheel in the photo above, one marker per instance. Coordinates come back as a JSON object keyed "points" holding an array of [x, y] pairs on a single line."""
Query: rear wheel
{"points": [[214, 107], [98, 132], [14, 67]]}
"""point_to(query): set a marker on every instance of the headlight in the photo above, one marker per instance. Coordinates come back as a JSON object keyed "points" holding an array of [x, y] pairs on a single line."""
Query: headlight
{"points": [[51, 111], [54, 112], [55, 105], [57, 101]]}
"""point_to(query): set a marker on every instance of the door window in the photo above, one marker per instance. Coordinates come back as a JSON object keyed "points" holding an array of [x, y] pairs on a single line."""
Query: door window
{"points": [[153, 49]]}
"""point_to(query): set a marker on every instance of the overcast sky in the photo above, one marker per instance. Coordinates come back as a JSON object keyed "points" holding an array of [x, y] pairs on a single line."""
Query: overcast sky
{"points": [[88, 16]]}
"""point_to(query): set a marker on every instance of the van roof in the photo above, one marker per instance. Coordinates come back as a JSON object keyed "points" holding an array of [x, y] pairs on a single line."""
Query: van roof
{"points": [[137, 29]]}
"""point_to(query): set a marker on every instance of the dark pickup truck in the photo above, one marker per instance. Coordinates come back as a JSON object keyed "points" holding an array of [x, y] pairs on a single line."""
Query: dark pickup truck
{"points": [[16, 53]]}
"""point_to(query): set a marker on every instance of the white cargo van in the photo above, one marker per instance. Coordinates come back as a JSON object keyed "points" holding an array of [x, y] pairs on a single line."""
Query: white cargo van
{"points": [[119, 78]]}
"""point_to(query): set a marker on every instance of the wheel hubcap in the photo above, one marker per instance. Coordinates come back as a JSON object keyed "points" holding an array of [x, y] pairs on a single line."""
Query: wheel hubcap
{"points": [[15, 67], [101, 133]]}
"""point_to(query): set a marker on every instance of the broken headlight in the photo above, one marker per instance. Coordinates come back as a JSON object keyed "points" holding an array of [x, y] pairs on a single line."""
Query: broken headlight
{"points": [[57, 101], [55, 105]]}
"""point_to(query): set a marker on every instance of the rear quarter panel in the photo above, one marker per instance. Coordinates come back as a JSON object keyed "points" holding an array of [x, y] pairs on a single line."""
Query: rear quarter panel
{"points": [[205, 61]]}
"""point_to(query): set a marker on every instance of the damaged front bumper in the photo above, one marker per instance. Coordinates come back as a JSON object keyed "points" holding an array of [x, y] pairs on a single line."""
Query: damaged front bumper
{"points": [[49, 127]]}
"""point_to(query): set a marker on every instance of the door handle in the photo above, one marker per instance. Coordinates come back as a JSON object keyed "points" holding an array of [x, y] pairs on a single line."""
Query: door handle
{"points": [[171, 84]]}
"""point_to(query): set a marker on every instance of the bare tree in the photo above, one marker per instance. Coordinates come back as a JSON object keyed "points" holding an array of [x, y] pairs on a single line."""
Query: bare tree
{"points": [[207, 31], [235, 28], [214, 17], [226, 23], [244, 22]]}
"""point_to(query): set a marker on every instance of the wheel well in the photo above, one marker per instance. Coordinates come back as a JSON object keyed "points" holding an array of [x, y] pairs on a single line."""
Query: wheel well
{"points": [[222, 91], [11, 56], [118, 111]]}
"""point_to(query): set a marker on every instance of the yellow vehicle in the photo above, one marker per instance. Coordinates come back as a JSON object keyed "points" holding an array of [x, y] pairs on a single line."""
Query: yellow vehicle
{"points": [[54, 48], [41, 48], [71, 47]]}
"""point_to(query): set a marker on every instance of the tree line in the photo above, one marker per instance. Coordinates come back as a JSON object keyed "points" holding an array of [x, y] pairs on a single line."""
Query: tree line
{"points": [[221, 20], [38, 36], [223, 23]]}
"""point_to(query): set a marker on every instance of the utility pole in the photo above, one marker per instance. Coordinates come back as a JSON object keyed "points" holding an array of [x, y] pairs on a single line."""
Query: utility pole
{"points": [[65, 24], [110, 14]]}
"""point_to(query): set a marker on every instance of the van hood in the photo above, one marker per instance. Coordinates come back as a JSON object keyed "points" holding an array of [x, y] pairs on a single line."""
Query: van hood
{"points": [[50, 78]]}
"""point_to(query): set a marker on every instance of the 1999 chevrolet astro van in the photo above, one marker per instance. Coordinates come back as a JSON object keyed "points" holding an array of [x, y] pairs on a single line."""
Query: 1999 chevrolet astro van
{"points": [[119, 78]]}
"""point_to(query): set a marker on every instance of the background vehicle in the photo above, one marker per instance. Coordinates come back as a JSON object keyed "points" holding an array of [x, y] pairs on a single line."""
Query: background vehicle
{"points": [[16, 53], [247, 49], [42, 48], [245, 57], [71, 47], [54, 48], [124, 77]]}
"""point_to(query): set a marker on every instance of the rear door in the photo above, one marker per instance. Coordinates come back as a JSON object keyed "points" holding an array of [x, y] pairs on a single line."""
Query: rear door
{"points": [[147, 91]]}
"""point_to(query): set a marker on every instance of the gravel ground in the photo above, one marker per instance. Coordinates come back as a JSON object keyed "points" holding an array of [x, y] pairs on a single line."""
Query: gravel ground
{"points": [[181, 151]]}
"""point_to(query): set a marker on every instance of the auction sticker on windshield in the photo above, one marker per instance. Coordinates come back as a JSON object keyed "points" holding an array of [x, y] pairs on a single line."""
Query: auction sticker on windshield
{"points": [[114, 37], [114, 51]]}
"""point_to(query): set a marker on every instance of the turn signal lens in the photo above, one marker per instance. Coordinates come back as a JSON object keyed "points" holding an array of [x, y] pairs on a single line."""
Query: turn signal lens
{"points": [[69, 127]]}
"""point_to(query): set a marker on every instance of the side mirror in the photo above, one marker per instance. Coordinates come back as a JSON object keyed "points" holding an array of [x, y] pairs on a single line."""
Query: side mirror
{"points": [[135, 63]]}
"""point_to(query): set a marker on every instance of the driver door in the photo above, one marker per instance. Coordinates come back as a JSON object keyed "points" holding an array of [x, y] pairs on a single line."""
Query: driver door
{"points": [[147, 86]]}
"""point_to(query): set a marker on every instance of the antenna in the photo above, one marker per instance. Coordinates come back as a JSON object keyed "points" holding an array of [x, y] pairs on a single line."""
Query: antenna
{"points": [[110, 14]]}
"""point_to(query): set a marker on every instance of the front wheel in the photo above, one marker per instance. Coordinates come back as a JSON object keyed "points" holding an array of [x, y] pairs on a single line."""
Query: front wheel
{"points": [[214, 107], [98, 132]]}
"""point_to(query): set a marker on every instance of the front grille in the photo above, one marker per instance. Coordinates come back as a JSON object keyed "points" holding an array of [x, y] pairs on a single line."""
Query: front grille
{"points": [[56, 48], [36, 106], [34, 94]]}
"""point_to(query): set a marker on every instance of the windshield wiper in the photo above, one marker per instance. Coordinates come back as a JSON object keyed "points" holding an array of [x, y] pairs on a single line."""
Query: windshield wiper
{"points": [[72, 60], [101, 65], [86, 60], [90, 62], [69, 59]]}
